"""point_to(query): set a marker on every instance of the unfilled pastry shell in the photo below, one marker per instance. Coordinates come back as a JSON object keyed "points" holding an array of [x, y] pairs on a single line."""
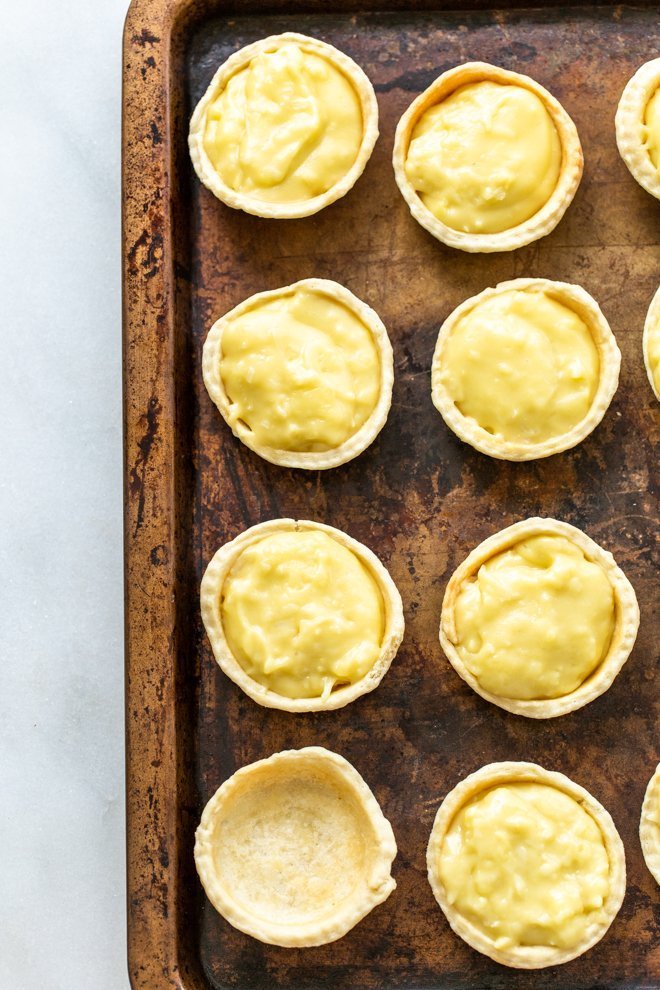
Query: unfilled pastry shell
{"points": [[626, 619], [651, 326], [649, 827], [629, 121]]}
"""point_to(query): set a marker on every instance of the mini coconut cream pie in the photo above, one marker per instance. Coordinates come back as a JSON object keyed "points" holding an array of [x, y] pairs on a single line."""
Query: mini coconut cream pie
{"points": [[294, 850], [637, 125], [539, 619], [285, 128], [649, 825], [487, 159], [301, 616], [651, 344], [526, 369], [526, 865], [303, 375]]}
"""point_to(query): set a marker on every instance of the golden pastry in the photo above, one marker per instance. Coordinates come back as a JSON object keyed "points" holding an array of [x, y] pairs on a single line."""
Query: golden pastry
{"points": [[539, 619], [526, 369], [649, 825], [303, 374], [285, 128], [487, 159], [637, 124], [651, 344], [301, 616], [294, 850], [526, 865]]}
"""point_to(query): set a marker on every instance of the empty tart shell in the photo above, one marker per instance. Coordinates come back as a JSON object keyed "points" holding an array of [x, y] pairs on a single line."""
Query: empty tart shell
{"points": [[625, 619], [241, 200], [649, 825], [540, 223], [631, 129], [213, 592], [294, 850], [313, 460], [520, 956], [574, 298], [651, 344]]}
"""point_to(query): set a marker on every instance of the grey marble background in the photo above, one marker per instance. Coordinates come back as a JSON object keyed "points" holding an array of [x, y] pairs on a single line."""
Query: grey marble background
{"points": [[62, 917]]}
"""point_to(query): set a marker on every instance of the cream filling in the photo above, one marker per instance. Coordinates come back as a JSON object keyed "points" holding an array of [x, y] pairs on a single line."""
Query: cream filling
{"points": [[653, 353], [527, 865], [301, 371], [522, 365], [302, 615], [652, 128], [285, 128], [486, 158], [535, 620]]}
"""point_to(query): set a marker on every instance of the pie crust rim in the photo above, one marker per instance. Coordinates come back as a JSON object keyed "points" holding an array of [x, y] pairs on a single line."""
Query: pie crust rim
{"points": [[649, 830], [651, 325], [629, 119]]}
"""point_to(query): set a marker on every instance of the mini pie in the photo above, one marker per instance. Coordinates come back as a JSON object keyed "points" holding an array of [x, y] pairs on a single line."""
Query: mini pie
{"points": [[302, 617], [294, 850], [526, 369], [539, 619], [302, 375], [285, 128], [651, 344], [649, 825], [637, 125], [526, 865], [487, 159]]}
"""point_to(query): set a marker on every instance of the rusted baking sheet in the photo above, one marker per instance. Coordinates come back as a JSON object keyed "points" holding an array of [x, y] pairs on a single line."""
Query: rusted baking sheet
{"points": [[418, 497]]}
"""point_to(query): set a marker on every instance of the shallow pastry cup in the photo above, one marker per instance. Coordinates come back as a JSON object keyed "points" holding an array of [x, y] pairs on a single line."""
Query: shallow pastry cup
{"points": [[302, 208], [210, 599], [651, 327], [649, 825], [525, 957], [322, 770], [310, 460], [626, 619], [572, 296], [629, 121], [545, 219]]}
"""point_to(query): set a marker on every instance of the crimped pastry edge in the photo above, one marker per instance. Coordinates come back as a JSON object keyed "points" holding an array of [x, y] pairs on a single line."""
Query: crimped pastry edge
{"points": [[628, 122], [545, 219], [302, 208], [309, 460], [211, 590], [651, 324], [525, 957], [649, 830], [380, 883], [623, 636], [609, 355]]}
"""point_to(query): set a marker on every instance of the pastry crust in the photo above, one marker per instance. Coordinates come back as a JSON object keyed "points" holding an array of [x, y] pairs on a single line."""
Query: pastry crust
{"points": [[629, 120], [323, 771], [651, 325], [575, 298], [525, 957], [303, 208], [538, 225], [210, 597], [649, 825], [626, 620], [311, 460]]}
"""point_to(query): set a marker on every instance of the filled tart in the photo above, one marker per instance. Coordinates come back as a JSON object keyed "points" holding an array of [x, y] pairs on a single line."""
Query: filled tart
{"points": [[637, 124], [649, 825], [651, 344]]}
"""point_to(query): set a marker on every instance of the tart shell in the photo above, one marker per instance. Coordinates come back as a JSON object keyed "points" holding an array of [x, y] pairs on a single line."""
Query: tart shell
{"points": [[303, 208], [626, 621], [651, 325], [310, 460], [525, 957], [210, 595], [545, 219], [628, 123], [609, 355], [649, 829], [319, 766]]}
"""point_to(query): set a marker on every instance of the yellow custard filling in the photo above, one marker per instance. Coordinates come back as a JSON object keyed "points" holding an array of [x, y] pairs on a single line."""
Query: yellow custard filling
{"points": [[523, 365], [535, 620], [302, 371], [652, 128], [486, 158], [287, 127], [653, 353], [527, 865], [302, 615]]}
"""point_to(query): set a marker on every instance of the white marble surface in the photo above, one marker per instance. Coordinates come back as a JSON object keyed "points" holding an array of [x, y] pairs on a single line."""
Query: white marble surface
{"points": [[62, 916]]}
